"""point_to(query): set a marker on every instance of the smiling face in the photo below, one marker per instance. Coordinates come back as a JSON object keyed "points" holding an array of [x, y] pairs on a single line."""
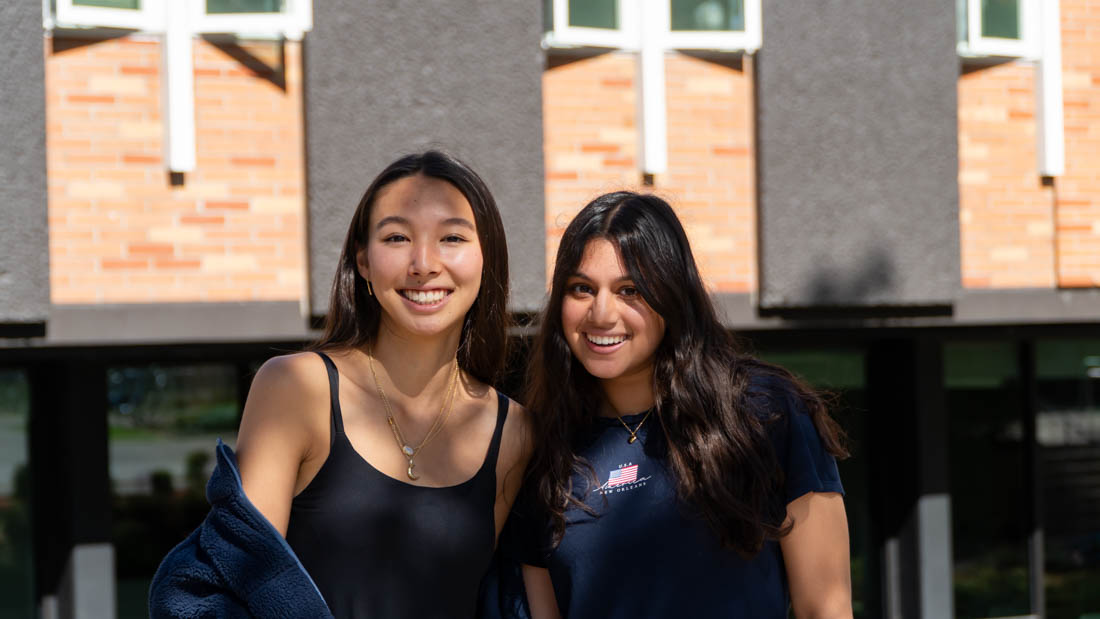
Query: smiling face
{"points": [[422, 256], [611, 330]]}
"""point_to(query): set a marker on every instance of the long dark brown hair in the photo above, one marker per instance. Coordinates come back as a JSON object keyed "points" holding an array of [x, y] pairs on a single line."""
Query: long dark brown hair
{"points": [[713, 403], [354, 314]]}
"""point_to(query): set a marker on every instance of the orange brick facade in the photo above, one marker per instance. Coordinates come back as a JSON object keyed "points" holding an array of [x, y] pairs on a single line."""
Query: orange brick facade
{"points": [[1017, 232], [119, 230], [591, 142], [234, 231]]}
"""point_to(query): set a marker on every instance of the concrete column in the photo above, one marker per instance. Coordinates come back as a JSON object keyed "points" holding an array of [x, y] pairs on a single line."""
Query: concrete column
{"points": [[70, 489]]}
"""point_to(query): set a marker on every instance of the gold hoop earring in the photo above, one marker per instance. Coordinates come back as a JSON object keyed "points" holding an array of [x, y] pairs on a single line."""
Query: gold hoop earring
{"points": [[370, 290]]}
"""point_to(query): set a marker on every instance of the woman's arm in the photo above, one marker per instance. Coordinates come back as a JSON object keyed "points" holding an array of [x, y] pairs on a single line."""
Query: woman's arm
{"points": [[540, 593], [515, 451], [817, 559], [279, 431]]}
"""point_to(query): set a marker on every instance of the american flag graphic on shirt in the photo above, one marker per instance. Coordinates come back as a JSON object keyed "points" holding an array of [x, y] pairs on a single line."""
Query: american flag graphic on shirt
{"points": [[622, 475]]}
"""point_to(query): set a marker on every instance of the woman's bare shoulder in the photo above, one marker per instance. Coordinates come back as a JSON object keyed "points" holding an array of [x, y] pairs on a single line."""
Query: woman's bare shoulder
{"points": [[290, 391]]}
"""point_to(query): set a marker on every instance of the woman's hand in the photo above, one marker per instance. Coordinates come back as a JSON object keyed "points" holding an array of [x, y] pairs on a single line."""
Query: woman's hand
{"points": [[817, 557]]}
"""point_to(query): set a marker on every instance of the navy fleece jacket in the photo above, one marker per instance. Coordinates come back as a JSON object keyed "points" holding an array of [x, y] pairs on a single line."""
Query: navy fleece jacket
{"points": [[235, 564]]}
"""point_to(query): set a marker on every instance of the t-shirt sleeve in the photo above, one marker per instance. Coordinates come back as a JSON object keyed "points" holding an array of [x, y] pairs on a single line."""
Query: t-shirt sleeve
{"points": [[807, 466]]}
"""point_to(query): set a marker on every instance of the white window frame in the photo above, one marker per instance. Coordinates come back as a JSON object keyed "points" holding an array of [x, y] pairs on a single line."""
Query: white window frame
{"points": [[629, 34], [1027, 46], [722, 40], [295, 19], [626, 36], [149, 17]]}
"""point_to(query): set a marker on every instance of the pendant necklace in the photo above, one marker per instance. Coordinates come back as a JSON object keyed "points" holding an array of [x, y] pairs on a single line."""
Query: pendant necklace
{"points": [[634, 432], [408, 450]]}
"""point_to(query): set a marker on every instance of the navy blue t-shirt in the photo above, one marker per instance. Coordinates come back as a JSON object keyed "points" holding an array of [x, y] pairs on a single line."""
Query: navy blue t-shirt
{"points": [[644, 554]]}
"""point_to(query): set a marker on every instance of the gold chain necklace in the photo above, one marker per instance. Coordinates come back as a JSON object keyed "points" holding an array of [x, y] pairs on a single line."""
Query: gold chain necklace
{"points": [[634, 432], [444, 411]]}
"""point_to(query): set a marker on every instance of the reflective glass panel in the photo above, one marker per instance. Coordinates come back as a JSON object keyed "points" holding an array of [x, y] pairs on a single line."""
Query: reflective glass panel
{"points": [[708, 15], [988, 489], [1068, 430], [1001, 19], [16, 568], [163, 424], [594, 13], [547, 15], [841, 374], [244, 6], [110, 4]]}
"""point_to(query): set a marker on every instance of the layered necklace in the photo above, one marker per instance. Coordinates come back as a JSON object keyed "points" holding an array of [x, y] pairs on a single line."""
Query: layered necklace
{"points": [[407, 449]]}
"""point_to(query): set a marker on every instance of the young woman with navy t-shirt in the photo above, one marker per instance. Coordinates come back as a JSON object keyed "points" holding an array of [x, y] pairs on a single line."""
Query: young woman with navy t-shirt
{"points": [[672, 475]]}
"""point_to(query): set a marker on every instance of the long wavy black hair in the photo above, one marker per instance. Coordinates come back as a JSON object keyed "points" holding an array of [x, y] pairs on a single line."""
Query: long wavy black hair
{"points": [[707, 397], [354, 314]]}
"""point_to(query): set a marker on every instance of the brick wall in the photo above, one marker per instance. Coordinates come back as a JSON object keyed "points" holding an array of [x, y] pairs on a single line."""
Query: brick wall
{"points": [[1078, 192], [1017, 232], [591, 147], [119, 231], [1005, 213]]}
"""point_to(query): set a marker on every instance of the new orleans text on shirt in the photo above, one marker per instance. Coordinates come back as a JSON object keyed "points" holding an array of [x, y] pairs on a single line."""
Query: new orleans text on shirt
{"points": [[622, 479]]}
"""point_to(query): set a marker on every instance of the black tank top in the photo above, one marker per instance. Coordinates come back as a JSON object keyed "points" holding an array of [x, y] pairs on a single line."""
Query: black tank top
{"points": [[379, 547]]}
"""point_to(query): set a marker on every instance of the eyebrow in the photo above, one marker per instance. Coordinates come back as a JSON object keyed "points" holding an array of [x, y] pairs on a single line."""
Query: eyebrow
{"points": [[452, 221], [624, 278]]}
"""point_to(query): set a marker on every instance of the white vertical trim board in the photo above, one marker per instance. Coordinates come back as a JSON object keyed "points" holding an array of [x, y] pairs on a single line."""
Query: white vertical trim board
{"points": [[1050, 108], [179, 89], [654, 113]]}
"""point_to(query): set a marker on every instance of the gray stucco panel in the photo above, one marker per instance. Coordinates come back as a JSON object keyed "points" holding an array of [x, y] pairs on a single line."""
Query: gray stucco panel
{"points": [[24, 253], [858, 153], [385, 78]]}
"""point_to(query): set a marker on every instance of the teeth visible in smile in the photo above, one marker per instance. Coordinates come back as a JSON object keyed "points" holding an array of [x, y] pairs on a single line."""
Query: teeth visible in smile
{"points": [[424, 297], [607, 340]]}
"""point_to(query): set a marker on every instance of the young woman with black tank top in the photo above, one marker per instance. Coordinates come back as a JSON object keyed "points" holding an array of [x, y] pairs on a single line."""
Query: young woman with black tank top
{"points": [[384, 456]]}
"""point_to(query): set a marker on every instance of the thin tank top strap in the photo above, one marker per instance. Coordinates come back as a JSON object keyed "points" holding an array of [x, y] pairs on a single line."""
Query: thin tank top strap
{"points": [[494, 445], [337, 421]]}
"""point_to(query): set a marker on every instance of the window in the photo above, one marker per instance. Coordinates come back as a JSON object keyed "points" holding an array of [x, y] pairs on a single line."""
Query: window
{"points": [[244, 6], [1068, 432], [714, 24], [16, 560], [591, 23], [128, 14], [726, 25], [998, 28], [264, 18], [253, 17], [163, 423], [694, 15], [989, 484]]}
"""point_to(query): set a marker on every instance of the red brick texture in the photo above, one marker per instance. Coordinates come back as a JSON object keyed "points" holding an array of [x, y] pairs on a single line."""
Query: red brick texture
{"points": [[591, 144], [1016, 232], [119, 230]]}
